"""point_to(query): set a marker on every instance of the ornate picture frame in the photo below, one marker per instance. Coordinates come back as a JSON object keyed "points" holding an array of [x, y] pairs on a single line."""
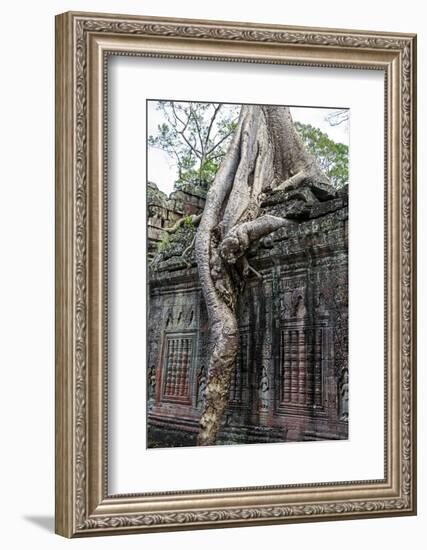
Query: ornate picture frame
{"points": [[84, 43]]}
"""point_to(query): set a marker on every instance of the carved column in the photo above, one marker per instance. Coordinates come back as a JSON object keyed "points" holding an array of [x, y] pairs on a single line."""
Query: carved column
{"points": [[302, 364], [286, 367], [183, 366], [287, 350], [318, 367], [169, 367], [188, 353], [294, 365]]}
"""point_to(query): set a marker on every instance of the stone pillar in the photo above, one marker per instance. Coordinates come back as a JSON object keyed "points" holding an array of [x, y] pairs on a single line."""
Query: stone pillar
{"points": [[302, 364], [318, 367], [286, 363], [294, 366]]}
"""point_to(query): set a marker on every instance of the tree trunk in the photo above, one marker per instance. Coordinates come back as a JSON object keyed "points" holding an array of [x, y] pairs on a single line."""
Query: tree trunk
{"points": [[266, 154]]}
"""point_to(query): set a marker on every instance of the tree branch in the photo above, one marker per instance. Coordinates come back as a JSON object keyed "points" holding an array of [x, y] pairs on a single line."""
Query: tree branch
{"points": [[208, 134], [181, 133], [212, 149], [199, 131]]}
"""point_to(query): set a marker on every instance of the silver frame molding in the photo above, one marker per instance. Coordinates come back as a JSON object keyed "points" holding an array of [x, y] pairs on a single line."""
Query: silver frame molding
{"points": [[83, 43]]}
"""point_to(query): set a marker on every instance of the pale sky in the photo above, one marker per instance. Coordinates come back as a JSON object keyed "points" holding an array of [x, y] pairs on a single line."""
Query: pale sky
{"points": [[162, 169]]}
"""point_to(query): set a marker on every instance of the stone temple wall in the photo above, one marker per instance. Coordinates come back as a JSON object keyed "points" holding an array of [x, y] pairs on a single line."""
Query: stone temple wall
{"points": [[291, 377], [164, 211]]}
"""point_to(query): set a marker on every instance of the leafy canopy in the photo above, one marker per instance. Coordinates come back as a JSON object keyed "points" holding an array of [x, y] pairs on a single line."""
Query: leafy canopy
{"points": [[331, 156], [196, 136]]}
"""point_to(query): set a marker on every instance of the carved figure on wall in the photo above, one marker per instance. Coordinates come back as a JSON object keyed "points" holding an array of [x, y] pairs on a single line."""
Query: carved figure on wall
{"points": [[264, 386], [151, 382], [320, 304], [201, 385], [298, 306], [343, 396]]}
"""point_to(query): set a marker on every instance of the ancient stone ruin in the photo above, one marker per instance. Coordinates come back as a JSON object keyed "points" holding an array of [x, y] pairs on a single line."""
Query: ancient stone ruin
{"points": [[291, 377], [164, 211]]}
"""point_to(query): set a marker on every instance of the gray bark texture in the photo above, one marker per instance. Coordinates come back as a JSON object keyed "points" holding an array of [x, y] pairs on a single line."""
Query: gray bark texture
{"points": [[265, 155]]}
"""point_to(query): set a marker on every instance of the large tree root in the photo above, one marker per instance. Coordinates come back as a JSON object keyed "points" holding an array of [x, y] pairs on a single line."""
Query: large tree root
{"points": [[239, 238], [218, 387], [265, 150], [193, 218]]}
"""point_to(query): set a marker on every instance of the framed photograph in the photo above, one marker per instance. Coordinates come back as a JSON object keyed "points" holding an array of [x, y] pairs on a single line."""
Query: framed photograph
{"points": [[235, 274]]}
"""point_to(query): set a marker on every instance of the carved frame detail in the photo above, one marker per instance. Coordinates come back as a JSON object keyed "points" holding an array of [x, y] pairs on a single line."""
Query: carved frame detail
{"points": [[83, 42]]}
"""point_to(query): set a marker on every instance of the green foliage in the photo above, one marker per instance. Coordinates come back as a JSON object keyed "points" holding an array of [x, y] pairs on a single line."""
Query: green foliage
{"points": [[188, 222], [332, 156], [196, 137], [182, 235], [164, 243]]}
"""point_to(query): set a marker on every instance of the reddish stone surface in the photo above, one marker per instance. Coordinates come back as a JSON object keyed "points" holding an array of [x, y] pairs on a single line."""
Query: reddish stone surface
{"points": [[291, 377]]}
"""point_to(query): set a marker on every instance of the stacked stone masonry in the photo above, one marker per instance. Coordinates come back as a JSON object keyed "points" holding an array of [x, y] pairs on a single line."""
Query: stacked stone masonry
{"points": [[164, 211]]}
